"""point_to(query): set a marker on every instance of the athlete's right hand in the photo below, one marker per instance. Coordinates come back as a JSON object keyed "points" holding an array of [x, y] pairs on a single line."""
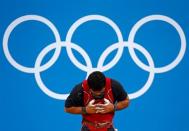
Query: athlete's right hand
{"points": [[91, 108]]}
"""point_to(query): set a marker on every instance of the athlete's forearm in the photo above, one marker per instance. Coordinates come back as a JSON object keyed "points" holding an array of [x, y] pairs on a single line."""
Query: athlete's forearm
{"points": [[73, 110], [122, 104]]}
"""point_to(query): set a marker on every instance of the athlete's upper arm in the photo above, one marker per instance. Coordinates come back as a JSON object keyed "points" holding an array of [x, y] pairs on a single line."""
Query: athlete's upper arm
{"points": [[75, 97], [118, 91]]}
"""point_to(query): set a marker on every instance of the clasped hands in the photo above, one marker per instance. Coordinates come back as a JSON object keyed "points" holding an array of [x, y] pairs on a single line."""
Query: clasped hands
{"points": [[92, 108]]}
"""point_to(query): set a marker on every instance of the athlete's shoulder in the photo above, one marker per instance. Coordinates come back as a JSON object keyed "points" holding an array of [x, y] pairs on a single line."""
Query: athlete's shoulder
{"points": [[77, 88], [116, 84], [118, 91]]}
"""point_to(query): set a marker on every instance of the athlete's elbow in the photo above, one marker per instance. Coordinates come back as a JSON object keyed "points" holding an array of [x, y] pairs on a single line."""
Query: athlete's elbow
{"points": [[66, 109], [126, 102]]}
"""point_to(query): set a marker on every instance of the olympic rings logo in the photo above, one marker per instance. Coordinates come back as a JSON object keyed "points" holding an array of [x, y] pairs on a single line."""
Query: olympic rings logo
{"points": [[69, 45]]}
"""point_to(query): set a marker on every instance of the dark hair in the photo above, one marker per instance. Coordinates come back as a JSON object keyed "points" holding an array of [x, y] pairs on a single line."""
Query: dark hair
{"points": [[96, 80]]}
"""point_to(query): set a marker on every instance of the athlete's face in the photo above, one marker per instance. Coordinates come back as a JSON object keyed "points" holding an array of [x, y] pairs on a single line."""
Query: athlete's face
{"points": [[98, 94]]}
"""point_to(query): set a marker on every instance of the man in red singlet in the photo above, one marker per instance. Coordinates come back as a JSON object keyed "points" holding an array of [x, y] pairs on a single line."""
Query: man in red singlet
{"points": [[97, 99]]}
